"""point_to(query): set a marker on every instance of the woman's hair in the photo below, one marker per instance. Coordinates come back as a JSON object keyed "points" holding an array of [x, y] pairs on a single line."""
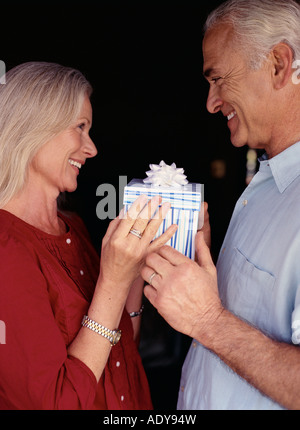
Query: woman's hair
{"points": [[259, 25], [38, 101]]}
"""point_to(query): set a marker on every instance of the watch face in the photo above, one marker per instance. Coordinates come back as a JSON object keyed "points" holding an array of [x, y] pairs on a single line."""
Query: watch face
{"points": [[116, 337]]}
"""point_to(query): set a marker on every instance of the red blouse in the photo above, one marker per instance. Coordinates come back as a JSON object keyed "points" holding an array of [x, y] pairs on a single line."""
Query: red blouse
{"points": [[46, 285]]}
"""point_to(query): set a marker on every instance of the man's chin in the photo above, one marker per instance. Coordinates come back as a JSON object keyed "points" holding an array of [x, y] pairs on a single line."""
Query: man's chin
{"points": [[238, 143]]}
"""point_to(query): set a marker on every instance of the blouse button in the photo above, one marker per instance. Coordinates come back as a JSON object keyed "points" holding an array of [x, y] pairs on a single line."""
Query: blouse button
{"points": [[68, 241], [122, 398], [81, 272], [118, 364]]}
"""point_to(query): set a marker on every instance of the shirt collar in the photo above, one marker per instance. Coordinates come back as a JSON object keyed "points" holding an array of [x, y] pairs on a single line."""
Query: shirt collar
{"points": [[285, 166]]}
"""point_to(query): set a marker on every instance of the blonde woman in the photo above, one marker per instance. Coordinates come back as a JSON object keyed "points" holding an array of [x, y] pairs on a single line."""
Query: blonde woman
{"points": [[70, 341]]}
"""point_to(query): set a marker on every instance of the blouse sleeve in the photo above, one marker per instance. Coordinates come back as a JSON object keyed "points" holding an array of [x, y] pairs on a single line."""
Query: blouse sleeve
{"points": [[35, 370]]}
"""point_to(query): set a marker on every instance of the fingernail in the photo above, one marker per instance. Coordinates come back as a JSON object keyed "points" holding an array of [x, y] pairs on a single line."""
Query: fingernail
{"points": [[143, 197], [142, 200], [165, 208], [156, 200], [122, 212]]}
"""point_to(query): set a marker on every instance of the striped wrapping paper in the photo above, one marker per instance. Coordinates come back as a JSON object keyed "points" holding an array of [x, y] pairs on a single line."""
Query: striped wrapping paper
{"points": [[185, 210]]}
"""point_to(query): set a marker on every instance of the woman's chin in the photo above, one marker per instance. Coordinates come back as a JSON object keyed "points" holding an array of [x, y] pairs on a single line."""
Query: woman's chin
{"points": [[70, 188]]}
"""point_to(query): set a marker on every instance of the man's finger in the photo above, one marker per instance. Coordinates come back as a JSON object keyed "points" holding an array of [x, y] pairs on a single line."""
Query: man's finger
{"points": [[150, 276], [157, 263], [172, 255], [203, 256], [151, 294]]}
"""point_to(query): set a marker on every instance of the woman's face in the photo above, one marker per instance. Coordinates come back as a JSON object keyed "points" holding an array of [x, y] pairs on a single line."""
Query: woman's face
{"points": [[57, 164]]}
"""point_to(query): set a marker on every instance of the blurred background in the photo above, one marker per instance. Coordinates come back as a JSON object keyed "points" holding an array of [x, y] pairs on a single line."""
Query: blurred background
{"points": [[144, 61]]}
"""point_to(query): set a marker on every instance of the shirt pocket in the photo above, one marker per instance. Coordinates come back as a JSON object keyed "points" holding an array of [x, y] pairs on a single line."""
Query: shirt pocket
{"points": [[249, 291]]}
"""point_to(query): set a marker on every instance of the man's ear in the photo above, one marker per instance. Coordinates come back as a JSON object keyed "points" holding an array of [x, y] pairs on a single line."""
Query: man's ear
{"points": [[282, 57]]}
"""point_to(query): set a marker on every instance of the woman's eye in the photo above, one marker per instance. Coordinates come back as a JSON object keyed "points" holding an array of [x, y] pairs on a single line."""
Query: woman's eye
{"points": [[81, 126]]}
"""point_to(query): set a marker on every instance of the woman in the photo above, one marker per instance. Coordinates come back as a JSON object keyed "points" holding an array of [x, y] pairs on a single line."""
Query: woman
{"points": [[63, 313]]}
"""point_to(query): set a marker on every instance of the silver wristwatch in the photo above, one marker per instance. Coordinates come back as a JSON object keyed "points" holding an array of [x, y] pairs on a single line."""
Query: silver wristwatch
{"points": [[112, 335]]}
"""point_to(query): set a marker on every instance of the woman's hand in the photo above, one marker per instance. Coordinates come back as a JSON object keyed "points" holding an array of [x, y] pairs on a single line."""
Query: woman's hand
{"points": [[123, 253]]}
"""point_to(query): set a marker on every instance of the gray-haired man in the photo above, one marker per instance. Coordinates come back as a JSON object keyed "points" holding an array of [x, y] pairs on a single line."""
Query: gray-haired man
{"points": [[244, 314]]}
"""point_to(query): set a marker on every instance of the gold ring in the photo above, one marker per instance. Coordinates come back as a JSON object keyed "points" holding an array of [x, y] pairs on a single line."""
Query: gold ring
{"points": [[151, 277]]}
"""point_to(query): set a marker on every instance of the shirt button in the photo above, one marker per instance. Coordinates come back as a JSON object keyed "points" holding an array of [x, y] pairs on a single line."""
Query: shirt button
{"points": [[68, 241], [182, 388], [118, 364], [194, 344], [245, 202], [81, 272]]}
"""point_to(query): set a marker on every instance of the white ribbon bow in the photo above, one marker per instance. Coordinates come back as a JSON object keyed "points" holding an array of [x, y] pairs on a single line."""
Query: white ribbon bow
{"points": [[165, 175]]}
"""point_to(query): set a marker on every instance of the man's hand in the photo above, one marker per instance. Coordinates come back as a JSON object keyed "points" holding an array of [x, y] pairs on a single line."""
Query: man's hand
{"points": [[206, 225], [184, 292]]}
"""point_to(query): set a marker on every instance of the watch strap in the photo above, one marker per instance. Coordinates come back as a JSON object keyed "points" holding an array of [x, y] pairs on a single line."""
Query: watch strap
{"points": [[112, 335]]}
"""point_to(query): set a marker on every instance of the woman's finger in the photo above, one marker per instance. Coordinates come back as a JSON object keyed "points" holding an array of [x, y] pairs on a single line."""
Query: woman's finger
{"points": [[129, 218], [112, 227], [146, 214], [155, 222], [164, 238], [139, 215]]}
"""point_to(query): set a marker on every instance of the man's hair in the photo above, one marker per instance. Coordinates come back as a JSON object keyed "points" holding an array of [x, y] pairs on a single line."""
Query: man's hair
{"points": [[38, 101], [259, 25]]}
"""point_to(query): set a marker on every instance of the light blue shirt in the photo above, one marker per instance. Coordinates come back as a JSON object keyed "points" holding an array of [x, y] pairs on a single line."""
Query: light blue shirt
{"points": [[259, 281]]}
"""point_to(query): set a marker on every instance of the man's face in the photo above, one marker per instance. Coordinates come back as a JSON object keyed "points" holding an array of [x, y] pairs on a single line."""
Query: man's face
{"points": [[241, 94]]}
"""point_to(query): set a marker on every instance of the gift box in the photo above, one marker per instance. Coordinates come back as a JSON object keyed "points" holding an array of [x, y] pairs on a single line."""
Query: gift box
{"points": [[185, 199]]}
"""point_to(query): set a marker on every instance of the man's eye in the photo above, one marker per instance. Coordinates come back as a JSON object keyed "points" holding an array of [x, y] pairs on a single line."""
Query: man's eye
{"points": [[215, 80]]}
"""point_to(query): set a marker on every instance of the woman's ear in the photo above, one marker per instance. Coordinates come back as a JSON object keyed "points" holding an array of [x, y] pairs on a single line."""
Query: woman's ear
{"points": [[282, 57]]}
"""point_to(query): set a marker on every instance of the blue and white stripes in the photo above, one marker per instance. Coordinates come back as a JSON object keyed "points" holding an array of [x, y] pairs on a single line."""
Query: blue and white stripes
{"points": [[185, 210]]}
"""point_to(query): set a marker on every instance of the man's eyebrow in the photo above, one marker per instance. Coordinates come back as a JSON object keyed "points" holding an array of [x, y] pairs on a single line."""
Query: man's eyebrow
{"points": [[207, 72]]}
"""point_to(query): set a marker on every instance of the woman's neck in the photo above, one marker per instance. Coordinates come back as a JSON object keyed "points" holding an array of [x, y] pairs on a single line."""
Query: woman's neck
{"points": [[38, 210]]}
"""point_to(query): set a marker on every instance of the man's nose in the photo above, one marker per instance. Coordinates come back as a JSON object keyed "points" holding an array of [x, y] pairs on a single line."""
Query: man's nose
{"points": [[214, 101]]}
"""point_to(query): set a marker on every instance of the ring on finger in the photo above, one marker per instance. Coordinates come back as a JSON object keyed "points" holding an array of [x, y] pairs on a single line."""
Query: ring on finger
{"points": [[136, 233], [151, 277]]}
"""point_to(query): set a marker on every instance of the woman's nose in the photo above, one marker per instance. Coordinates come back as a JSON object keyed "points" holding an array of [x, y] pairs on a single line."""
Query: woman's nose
{"points": [[89, 148]]}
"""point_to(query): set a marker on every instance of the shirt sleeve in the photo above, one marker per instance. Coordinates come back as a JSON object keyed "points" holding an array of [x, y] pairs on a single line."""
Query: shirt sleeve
{"points": [[296, 320], [35, 369]]}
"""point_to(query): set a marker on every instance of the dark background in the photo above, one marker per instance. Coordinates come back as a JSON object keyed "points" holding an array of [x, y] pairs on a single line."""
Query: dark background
{"points": [[144, 61]]}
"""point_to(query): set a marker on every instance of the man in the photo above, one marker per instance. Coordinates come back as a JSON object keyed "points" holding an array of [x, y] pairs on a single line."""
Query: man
{"points": [[244, 314]]}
